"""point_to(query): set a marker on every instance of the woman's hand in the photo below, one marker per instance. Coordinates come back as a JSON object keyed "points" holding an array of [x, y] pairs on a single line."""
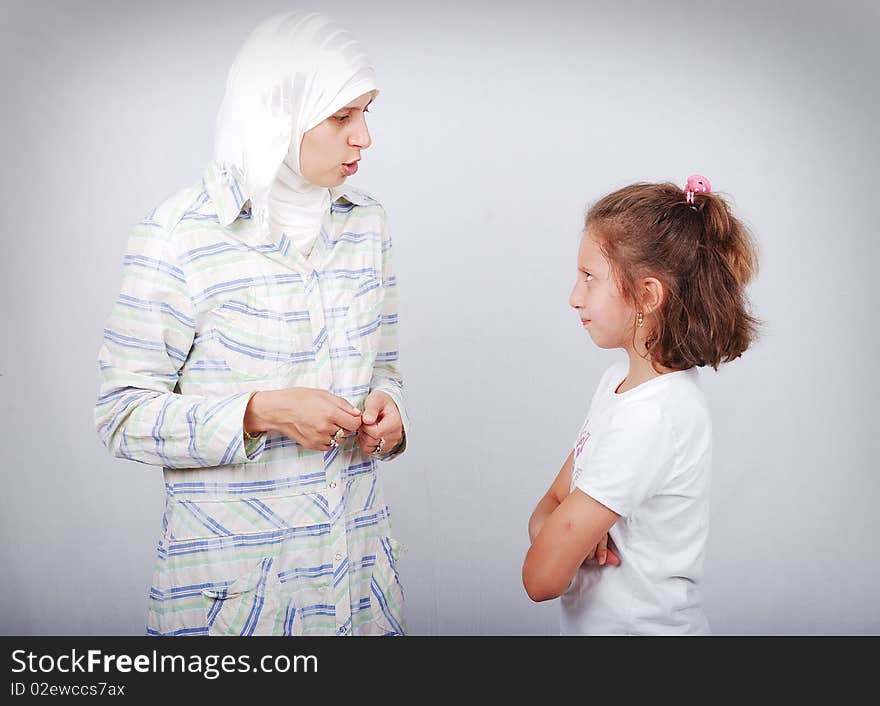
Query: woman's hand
{"points": [[381, 420], [308, 416]]}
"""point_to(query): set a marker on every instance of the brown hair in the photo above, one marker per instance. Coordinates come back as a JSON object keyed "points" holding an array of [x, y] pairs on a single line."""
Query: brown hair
{"points": [[703, 256]]}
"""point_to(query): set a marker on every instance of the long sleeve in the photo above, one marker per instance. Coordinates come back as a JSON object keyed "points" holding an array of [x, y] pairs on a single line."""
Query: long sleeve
{"points": [[148, 336], [386, 375]]}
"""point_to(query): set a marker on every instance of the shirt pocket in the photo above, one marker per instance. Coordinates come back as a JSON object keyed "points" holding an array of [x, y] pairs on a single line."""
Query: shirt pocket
{"points": [[378, 589], [248, 605], [255, 336], [297, 600], [363, 321]]}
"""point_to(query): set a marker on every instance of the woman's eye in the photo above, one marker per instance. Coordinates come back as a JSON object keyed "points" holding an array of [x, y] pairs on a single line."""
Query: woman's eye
{"points": [[588, 277], [342, 118]]}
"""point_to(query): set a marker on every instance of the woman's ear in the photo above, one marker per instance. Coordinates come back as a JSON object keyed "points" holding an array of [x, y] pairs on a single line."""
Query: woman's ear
{"points": [[653, 293]]}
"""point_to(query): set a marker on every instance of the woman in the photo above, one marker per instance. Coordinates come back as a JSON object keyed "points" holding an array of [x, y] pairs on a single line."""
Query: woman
{"points": [[252, 354]]}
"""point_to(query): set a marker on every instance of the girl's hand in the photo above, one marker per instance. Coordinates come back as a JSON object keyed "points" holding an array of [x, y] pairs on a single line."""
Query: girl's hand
{"points": [[602, 555], [309, 416], [380, 421]]}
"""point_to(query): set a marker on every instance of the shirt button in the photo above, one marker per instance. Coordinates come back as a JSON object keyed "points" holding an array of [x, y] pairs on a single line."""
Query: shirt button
{"points": [[338, 556], [333, 484], [342, 630]]}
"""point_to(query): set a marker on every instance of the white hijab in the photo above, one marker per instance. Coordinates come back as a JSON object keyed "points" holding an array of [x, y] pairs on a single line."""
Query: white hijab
{"points": [[293, 71]]}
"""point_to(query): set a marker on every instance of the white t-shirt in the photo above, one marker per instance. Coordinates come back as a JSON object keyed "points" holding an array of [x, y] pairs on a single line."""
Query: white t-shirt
{"points": [[646, 455]]}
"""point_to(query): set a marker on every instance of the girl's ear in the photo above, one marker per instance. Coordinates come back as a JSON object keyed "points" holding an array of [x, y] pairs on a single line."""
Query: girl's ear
{"points": [[653, 293]]}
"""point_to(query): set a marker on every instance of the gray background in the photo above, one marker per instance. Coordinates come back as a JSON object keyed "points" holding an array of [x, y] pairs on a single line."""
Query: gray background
{"points": [[496, 126]]}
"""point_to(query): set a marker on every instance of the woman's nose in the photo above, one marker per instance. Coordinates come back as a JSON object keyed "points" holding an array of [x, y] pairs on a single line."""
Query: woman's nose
{"points": [[360, 137]]}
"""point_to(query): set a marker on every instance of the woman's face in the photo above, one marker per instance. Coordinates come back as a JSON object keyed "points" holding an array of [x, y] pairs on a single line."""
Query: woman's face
{"points": [[331, 150]]}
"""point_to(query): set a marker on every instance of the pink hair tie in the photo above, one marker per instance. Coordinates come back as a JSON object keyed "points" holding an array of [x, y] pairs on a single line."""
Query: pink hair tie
{"points": [[696, 184]]}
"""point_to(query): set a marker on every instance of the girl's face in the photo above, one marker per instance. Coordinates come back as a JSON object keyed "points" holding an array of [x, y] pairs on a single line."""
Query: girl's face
{"points": [[607, 316], [331, 150]]}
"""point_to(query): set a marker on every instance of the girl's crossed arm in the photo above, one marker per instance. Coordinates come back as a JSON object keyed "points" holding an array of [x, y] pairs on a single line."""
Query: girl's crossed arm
{"points": [[552, 498], [565, 529]]}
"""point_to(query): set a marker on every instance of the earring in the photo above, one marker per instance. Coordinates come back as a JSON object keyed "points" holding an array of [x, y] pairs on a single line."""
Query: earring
{"points": [[640, 319]]}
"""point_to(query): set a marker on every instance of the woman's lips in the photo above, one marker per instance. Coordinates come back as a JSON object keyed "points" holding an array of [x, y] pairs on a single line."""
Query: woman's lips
{"points": [[585, 322], [350, 168]]}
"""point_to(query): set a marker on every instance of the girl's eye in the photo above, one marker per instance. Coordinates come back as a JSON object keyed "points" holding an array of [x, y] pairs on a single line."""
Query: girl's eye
{"points": [[342, 118], [588, 277]]}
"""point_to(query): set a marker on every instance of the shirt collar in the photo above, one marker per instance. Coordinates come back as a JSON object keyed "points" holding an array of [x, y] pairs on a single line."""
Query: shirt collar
{"points": [[226, 189], [350, 194]]}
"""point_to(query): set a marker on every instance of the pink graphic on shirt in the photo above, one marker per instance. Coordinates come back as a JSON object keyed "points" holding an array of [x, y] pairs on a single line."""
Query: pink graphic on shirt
{"points": [[582, 439]]}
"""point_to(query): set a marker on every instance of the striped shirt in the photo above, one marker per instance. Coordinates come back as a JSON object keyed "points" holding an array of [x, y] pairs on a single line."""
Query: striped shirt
{"points": [[259, 536]]}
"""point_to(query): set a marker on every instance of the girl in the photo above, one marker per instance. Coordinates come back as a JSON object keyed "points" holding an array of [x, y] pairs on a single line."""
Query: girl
{"points": [[661, 274], [252, 354]]}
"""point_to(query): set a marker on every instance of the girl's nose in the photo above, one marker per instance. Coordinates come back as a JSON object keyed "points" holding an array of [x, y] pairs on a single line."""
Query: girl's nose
{"points": [[573, 300]]}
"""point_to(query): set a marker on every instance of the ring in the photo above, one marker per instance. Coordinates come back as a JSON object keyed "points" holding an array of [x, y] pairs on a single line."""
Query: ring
{"points": [[336, 438], [378, 450]]}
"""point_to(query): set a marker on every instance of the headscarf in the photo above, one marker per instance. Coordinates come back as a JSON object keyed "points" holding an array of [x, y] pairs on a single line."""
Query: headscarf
{"points": [[293, 71]]}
